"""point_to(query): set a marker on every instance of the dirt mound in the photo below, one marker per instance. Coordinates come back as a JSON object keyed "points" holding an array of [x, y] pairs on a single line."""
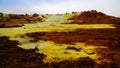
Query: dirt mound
{"points": [[93, 17]]}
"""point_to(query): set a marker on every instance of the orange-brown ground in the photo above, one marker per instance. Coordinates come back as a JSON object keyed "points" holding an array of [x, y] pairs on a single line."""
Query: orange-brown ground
{"points": [[89, 36], [97, 37], [15, 57]]}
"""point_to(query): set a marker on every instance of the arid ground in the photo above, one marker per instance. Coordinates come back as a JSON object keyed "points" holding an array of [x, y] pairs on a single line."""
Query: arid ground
{"points": [[87, 39]]}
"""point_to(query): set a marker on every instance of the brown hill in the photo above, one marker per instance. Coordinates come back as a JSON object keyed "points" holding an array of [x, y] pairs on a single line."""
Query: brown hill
{"points": [[17, 20], [93, 17]]}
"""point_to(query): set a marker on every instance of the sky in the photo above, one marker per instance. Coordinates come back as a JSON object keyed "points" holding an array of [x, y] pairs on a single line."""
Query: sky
{"points": [[110, 7]]}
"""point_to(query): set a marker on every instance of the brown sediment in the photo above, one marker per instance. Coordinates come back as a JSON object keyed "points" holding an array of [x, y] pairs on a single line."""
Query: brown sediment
{"points": [[110, 53], [105, 37]]}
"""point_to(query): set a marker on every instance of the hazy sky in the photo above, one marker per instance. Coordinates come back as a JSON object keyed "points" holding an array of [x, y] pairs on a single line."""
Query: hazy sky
{"points": [[110, 7]]}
